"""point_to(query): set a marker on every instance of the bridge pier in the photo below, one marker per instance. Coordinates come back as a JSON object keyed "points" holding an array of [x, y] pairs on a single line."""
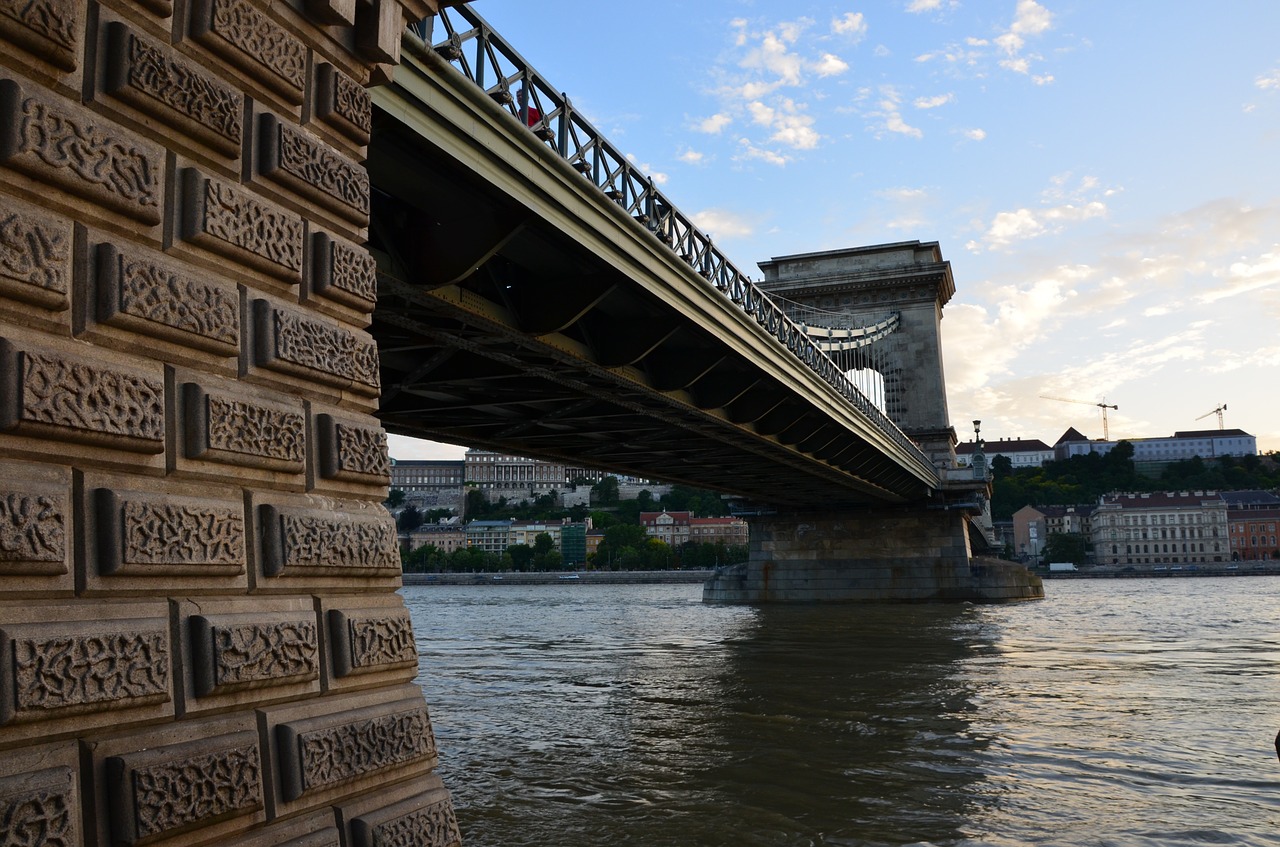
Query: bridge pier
{"points": [[913, 554]]}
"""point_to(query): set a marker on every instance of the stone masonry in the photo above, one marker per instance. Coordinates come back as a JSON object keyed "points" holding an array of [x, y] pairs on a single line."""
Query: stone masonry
{"points": [[200, 641]]}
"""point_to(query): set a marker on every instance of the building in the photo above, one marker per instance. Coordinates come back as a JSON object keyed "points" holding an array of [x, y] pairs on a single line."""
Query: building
{"points": [[489, 536], [671, 527], [490, 471], [429, 483], [1022, 452], [1205, 443], [445, 537], [1173, 528], [1252, 520], [1032, 526], [527, 532], [573, 543], [676, 528], [728, 531]]}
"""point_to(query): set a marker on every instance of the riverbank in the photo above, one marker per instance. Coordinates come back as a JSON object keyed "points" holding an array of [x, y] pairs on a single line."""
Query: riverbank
{"points": [[1165, 572], [561, 578]]}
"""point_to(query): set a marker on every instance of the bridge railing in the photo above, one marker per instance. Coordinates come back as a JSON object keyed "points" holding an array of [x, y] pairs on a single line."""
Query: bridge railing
{"points": [[467, 42]]}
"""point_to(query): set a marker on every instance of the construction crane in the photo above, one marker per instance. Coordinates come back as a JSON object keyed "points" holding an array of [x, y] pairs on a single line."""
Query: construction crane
{"points": [[1106, 432], [1218, 411]]}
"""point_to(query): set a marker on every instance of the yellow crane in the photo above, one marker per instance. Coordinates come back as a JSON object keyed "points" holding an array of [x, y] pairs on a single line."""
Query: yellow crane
{"points": [[1218, 411], [1106, 432]]}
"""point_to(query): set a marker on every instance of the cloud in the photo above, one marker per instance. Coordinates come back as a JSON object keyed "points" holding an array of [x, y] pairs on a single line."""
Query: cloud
{"points": [[1268, 81], [851, 24], [975, 134], [749, 151], [691, 157], [1064, 203], [830, 65], [722, 224], [933, 102], [889, 115], [1244, 276], [714, 124], [658, 177]]}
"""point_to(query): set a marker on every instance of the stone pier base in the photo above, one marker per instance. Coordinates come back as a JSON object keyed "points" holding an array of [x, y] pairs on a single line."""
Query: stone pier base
{"points": [[910, 555]]}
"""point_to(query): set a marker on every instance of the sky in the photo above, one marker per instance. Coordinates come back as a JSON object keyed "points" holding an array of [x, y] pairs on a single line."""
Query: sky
{"points": [[1103, 176]]}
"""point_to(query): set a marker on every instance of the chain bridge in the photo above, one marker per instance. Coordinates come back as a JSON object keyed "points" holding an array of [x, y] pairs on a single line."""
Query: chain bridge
{"points": [[539, 295]]}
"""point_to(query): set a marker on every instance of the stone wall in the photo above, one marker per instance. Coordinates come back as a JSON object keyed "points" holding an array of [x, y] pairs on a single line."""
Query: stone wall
{"points": [[199, 637]]}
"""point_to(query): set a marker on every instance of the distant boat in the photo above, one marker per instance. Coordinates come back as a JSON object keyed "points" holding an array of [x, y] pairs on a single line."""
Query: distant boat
{"points": [[569, 576]]}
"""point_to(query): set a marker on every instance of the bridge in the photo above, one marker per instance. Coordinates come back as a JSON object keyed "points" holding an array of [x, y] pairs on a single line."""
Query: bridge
{"points": [[200, 639]]}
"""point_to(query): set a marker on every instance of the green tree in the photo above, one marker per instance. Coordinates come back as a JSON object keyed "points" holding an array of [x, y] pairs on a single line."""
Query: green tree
{"points": [[605, 491], [395, 498], [410, 519], [1066, 547], [521, 557]]}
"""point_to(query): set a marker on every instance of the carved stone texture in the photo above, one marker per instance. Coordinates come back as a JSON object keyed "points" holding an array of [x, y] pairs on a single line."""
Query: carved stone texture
{"points": [[241, 34], [321, 542], [227, 220], [157, 81], [435, 825], [242, 431], [295, 343], [318, 753], [164, 536], [40, 809], [33, 533], [154, 298], [364, 643], [68, 146], [344, 273], [343, 104], [50, 395], [313, 169], [352, 452], [171, 789], [45, 673], [49, 29], [231, 655], [35, 257]]}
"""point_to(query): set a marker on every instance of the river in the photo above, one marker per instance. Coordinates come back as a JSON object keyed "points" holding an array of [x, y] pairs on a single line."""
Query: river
{"points": [[1113, 712]]}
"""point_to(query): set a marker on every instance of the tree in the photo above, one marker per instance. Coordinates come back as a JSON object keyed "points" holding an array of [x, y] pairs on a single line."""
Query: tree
{"points": [[605, 491], [1001, 467], [410, 519], [395, 498], [645, 500], [1065, 547], [521, 556]]}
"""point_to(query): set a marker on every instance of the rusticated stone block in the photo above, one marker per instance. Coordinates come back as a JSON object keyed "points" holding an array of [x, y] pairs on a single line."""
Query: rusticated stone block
{"points": [[343, 273], [241, 34], [241, 430], [313, 170], [352, 452], [427, 821], [168, 790], [327, 543], [49, 29], [295, 343], [230, 653], [40, 808], [317, 753], [33, 532], [379, 24], [35, 257], [335, 12], [46, 394], [157, 535], [157, 81], [152, 297], [343, 104], [227, 220], [68, 146], [50, 670], [370, 642]]}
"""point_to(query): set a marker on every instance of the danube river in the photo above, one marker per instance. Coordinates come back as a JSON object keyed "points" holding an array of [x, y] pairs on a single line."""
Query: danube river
{"points": [[1114, 712]]}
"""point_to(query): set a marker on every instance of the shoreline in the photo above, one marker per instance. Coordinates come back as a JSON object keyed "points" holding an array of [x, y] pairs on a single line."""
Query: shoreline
{"points": [[1165, 573], [561, 578]]}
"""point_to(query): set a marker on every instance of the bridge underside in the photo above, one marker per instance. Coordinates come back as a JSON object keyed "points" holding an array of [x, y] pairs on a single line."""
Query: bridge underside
{"points": [[498, 329]]}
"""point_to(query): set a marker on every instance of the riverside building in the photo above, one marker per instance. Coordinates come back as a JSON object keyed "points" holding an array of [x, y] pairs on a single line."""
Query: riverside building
{"points": [[1174, 528]]}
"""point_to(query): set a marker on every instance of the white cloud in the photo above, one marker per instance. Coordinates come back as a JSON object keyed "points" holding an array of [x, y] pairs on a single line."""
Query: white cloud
{"points": [[760, 113], [722, 224], [975, 134], [933, 102], [1031, 18], [750, 151], [714, 124], [890, 116], [1042, 79], [918, 6], [830, 65], [1244, 276], [658, 177], [850, 23], [1269, 80], [691, 157]]}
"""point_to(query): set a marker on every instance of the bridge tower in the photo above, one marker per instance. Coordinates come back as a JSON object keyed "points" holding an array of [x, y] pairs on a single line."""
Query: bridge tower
{"points": [[917, 552], [862, 285]]}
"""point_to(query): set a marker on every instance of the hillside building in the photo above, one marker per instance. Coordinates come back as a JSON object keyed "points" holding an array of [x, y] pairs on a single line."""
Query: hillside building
{"points": [[1174, 528], [1022, 452]]}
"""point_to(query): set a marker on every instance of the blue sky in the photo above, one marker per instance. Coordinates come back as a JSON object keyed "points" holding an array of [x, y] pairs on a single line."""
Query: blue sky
{"points": [[1102, 176]]}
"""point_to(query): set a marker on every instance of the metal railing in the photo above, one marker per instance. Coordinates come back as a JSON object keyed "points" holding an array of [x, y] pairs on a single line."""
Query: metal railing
{"points": [[468, 43]]}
